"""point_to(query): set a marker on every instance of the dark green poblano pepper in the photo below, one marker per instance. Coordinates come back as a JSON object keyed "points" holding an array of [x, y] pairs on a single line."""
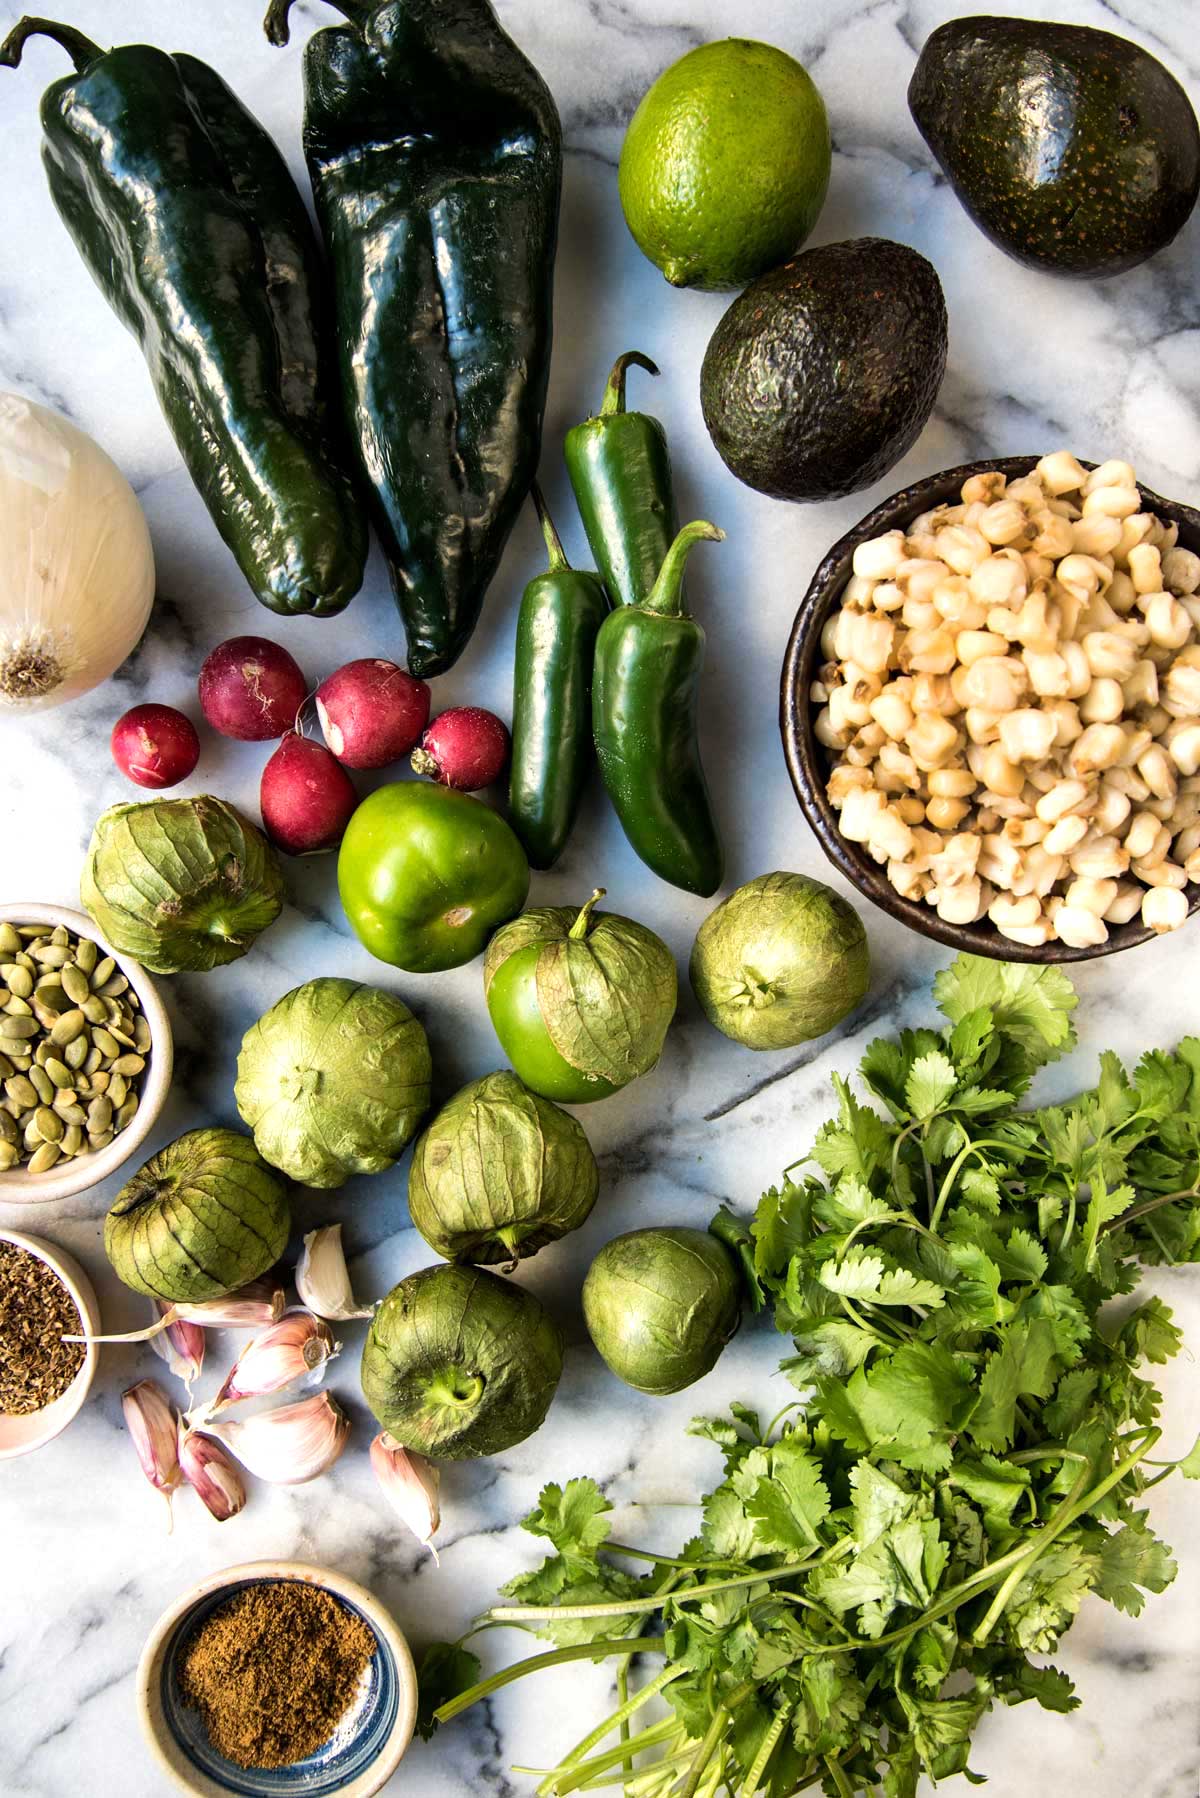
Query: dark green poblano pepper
{"points": [[185, 213], [645, 717], [435, 152]]}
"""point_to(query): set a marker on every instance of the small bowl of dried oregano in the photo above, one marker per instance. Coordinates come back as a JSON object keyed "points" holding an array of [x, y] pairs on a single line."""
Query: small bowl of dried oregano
{"points": [[85, 1054], [44, 1381], [275, 1679]]}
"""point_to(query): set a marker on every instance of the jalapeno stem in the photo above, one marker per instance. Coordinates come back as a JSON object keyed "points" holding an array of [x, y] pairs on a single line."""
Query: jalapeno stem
{"points": [[82, 51], [580, 927], [277, 24], [614, 393], [554, 548], [666, 595]]}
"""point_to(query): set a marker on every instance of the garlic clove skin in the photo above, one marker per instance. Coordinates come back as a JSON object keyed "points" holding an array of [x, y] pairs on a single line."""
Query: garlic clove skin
{"points": [[153, 1426], [287, 1446], [211, 1471], [261, 1302], [323, 1279], [411, 1486], [294, 1349], [181, 1345]]}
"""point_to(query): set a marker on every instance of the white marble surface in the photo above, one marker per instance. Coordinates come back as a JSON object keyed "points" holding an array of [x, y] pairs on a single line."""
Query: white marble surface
{"points": [[85, 1566]]}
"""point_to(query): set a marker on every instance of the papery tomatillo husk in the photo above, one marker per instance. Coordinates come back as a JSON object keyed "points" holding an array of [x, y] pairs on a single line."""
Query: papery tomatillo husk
{"points": [[334, 1081], [606, 987], [660, 1305], [499, 1173], [180, 884], [459, 1363], [201, 1218], [780, 961]]}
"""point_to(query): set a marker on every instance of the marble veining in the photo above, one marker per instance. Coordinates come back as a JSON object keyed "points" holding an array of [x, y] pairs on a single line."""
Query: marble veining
{"points": [[1104, 368]]}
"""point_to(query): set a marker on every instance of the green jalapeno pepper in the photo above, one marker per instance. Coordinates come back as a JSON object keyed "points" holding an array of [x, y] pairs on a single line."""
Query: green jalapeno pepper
{"points": [[620, 469], [185, 213], [552, 751], [644, 716]]}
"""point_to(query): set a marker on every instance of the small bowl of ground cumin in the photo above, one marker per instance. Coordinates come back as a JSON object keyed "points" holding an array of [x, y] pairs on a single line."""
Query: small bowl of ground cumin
{"points": [[44, 1381], [276, 1679]]}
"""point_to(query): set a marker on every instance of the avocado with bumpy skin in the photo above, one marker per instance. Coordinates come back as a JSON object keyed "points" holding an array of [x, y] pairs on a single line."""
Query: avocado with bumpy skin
{"points": [[1072, 149], [825, 371]]}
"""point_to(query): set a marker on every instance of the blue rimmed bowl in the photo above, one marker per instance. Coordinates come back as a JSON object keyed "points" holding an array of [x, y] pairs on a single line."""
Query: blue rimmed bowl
{"points": [[361, 1755]]}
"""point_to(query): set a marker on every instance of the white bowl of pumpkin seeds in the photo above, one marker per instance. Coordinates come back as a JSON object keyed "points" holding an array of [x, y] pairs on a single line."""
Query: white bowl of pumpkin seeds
{"points": [[85, 1054]]}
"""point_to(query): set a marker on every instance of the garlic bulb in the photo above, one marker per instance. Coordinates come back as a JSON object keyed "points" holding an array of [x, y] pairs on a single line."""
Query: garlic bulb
{"points": [[76, 566]]}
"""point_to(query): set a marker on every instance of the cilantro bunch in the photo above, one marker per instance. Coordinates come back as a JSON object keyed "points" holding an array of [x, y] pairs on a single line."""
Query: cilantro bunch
{"points": [[967, 1453]]}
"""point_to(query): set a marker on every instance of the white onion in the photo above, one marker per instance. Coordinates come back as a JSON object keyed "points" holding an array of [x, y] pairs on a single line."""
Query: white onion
{"points": [[76, 564]]}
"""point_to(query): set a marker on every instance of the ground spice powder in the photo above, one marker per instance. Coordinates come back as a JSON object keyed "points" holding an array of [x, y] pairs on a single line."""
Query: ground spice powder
{"points": [[36, 1311], [274, 1670]]}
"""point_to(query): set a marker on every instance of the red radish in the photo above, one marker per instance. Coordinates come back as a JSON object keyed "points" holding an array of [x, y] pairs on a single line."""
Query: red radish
{"points": [[155, 746], [306, 797], [252, 689], [465, 747], [372, 712]]}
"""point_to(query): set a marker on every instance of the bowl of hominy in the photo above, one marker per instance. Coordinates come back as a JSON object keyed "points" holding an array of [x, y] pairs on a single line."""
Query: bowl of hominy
{"points": [[61, 1131], [990, 708]]}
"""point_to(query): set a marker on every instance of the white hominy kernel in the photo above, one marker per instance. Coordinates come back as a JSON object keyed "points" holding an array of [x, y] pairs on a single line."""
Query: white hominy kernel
{"points": [[1113, 473], [1067, 834], [1145, 568], [1092, 895], [908, 881], [1083, 573], [1100, 746], [1141, 687], [1158, 771], [1112, 809], [1004, 522], [1027, 735], [1100, 858], [972, 646], [1141, 835], [1008, 913], [1079, 928], [1024, 832], [1181, 689], [1181, 570], [1192, 866], [1065, 796], [932, 740], [921, 578], [983, 488], [1000, 775], [1185, 745], [910, 808], [1103, 703], [1002, 580], [1121, 594], [1033, 936], [860, 809], [933, 693], [846, 779], [1060, 473], [1037, 568], [865, 638], [893, 712], [1126, 904], [826, 734], [1055, 537], [1067, 724], [1134, 530], [962, 548], [960, 904], [1042, 869], [1168, 623], [1047, 673], [1109, 655], [1137, 741], [879, 559], [1111, 502], [982, 726], [1164, 908], [889, 837], [1159, 874]]}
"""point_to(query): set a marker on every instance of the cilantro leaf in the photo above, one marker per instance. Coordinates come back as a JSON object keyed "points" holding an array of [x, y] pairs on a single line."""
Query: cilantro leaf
{"points": [[447, 1670], [931, 1080], [1132, 1562], [1030, 1005], [574, 1517], [784, 1495], [1022, 1367]]}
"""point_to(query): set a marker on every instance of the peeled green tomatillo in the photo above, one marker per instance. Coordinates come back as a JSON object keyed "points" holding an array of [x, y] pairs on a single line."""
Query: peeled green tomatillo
{"points": [[426, 874], [581, 1000], [780, 961], [660, 1305]]}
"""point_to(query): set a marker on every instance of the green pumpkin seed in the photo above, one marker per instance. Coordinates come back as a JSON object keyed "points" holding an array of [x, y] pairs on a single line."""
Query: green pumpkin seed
{"points": [[71, 1113], [86, 954], [8, 1128], [44, 1158], [96, 1143], [99, 1080], [31, 1136], [48, 1124], [93, 1061], [118, 1089], [17, 979], [43, 1083], [127, 1112], [67, 1027], [53, 955], [75, 984], [129, 1065], [10, 940], [17, 1008], [9, 1156], [102, 971], [99, 1115], [141, 1035], [95, 1010], [60, 934], [73, 1139], [107, 1044], [21, 1090], [76, 1053], [6, 1067], [19, 1028], [58, 1071]]}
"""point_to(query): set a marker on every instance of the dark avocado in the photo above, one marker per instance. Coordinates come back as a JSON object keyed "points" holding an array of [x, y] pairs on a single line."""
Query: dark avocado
{"points": [[825, 371], [1073, 150]]}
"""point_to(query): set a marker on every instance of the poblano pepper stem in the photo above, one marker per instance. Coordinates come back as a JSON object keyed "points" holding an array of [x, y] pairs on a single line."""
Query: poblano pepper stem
{"points": [[435, 153], [184, 211], [645, 718], [620, 471], [552, 751]]}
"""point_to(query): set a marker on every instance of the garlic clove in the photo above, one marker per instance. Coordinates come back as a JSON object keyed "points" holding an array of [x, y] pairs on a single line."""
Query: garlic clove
{"points": [[411, 1485], [289, 1445], [296, 1348], [181, 1345], [208, 1467], [323, 1279], [153, 1426]]}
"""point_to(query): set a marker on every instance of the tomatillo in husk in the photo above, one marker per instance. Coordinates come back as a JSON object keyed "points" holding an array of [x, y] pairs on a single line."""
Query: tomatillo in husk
{"points": [[426, 874], [660, 1305], [499, 1173], [780, 961], [459, 1363], [581, 1000]]}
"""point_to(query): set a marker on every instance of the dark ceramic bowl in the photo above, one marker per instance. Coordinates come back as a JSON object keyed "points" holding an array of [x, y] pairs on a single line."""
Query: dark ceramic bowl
{"points": [[809, 762]]}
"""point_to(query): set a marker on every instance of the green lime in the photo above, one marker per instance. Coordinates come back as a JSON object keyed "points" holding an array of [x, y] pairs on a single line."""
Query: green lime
{"points": [[725, 164]]}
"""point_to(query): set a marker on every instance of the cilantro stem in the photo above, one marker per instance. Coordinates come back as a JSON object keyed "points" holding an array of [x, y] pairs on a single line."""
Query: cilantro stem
{"points": [[556, 1657], [623, 1726], [569, 1775], [711, 1740], [766, 1749], [1155, 1204], [620, 1718], [630, 1607], [845, 1789], [955, 1168]]}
